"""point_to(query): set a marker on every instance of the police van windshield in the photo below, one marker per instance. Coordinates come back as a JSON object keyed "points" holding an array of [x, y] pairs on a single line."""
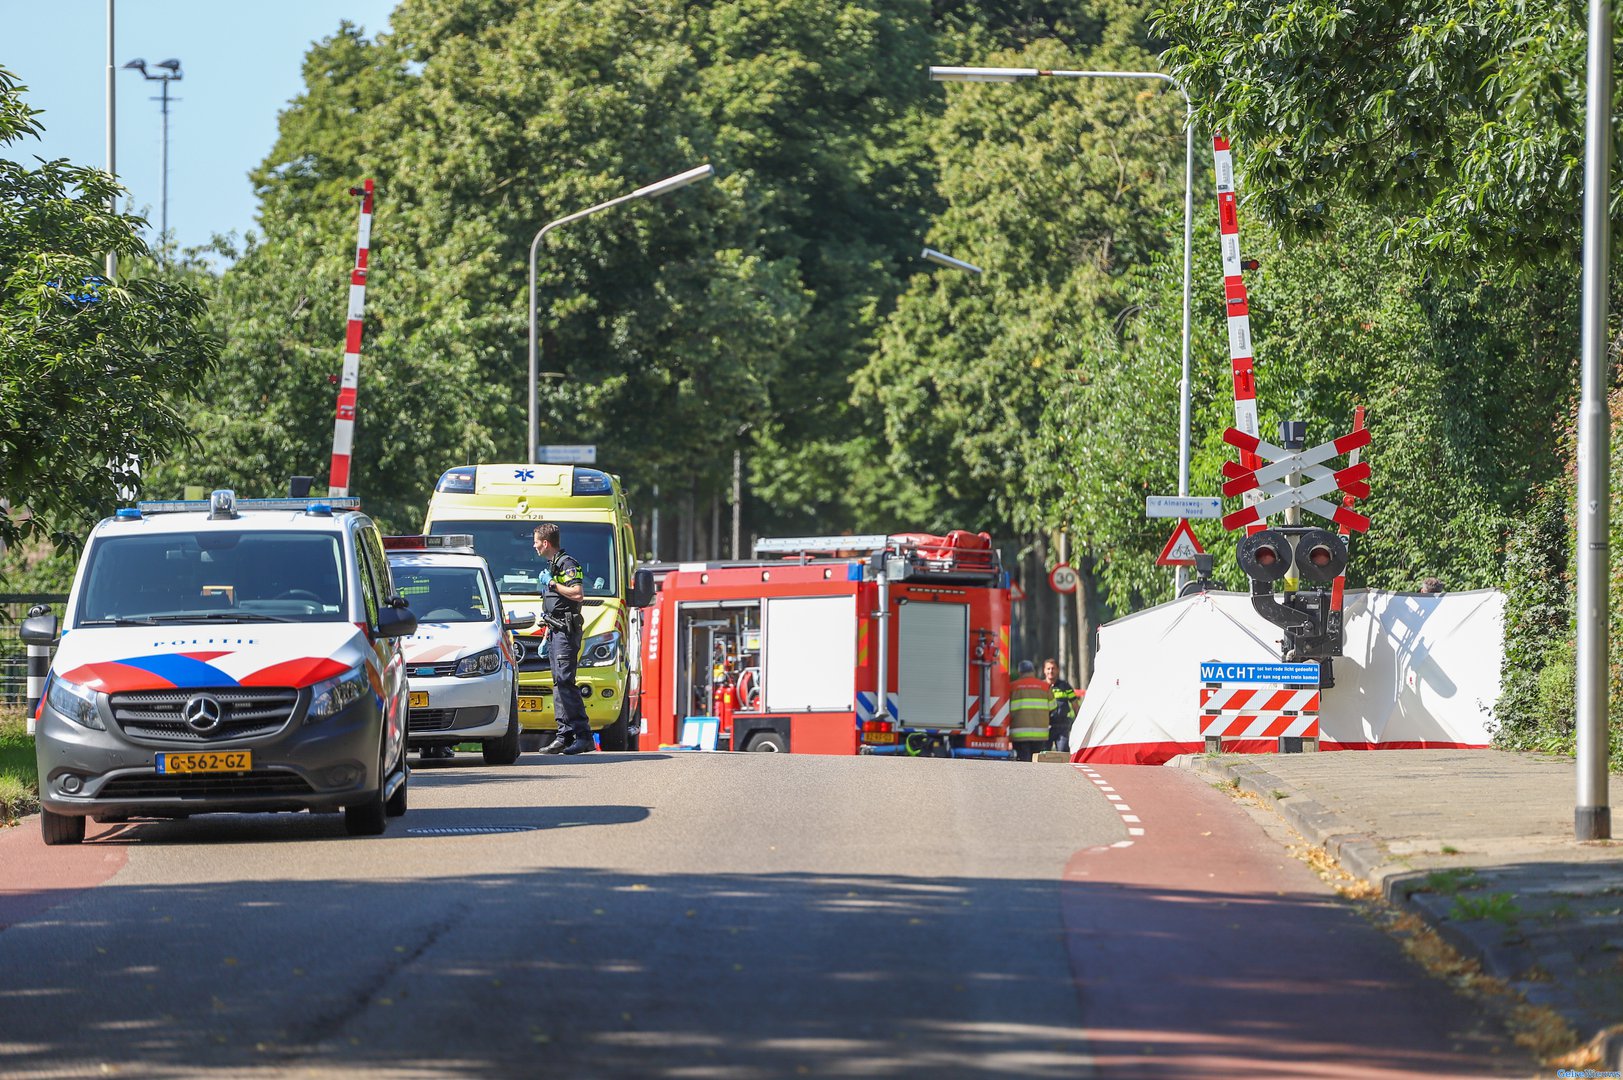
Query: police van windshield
{"points": [[447, 594], [509, 548], [214, 576]]}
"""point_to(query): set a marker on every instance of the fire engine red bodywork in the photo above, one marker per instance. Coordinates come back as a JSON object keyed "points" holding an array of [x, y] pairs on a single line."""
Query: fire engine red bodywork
{"points": [[826, 731]]}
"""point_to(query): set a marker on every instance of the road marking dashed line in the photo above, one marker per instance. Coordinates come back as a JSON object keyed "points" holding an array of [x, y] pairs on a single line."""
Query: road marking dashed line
{"points": [[1116, 804]]}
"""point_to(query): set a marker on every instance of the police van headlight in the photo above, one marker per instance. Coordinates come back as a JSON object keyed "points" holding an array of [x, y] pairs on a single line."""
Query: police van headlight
{"points": [[600, 650], [77, 703], [340, 692], [484, 663]]}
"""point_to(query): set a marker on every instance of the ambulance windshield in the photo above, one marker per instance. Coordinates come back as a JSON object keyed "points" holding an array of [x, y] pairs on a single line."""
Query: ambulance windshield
{"points": [[509, 548], [214, 576]]}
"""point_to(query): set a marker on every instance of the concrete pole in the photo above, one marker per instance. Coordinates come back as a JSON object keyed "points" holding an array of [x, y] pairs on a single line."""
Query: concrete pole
{"points": [[738, 496], [1592, 816]]}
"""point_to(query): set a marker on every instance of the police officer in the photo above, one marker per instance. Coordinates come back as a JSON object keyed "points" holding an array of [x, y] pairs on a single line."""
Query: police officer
{"points": [[561, 607], [1030, 702], [1067, 703]]}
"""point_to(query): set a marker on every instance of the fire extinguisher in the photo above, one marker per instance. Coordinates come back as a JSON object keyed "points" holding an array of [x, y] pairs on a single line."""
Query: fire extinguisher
{"points": [[722, 703]]}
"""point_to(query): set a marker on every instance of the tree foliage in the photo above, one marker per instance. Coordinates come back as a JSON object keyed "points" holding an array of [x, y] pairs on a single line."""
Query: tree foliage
{"points": [[1459, 121], [93, 375]]}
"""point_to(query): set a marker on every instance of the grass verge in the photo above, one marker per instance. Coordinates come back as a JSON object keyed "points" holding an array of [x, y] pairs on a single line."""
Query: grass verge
{"points": [[19, 785]]}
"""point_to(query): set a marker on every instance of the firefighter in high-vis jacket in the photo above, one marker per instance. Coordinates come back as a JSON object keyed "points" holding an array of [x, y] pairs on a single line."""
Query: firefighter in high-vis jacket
{"points": [[1067, 703], [1030, 702]]}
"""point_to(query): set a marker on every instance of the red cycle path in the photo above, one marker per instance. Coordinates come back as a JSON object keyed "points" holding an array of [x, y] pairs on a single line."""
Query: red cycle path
{"points": [[35, 878], [1206, 950]]}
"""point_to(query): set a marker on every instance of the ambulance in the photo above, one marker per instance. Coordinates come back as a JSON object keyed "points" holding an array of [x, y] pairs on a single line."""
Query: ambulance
{"points": [[881, 644], [225, 655], [499, 506]]}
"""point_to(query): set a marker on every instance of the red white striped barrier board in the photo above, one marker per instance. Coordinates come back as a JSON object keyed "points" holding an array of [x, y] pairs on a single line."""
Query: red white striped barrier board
{"points": [[1260, 726], [1237, 302], [1215, 698], [1259, 712], [343, 433]]}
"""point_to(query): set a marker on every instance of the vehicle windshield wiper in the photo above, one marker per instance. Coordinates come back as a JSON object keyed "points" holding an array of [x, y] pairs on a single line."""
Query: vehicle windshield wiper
{"points": [[222, 616], [122, 620]]}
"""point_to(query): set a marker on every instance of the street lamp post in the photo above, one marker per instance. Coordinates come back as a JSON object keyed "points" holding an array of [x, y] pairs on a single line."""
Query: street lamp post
{"points": [[169, 71], [661, 187], [1592, 813], [990, 74], [112, 135]]}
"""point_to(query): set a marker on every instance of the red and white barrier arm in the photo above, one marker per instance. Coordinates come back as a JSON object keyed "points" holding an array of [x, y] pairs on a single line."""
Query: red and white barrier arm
{"points": [[1338, 588], [343, 433], [1238, 307]]}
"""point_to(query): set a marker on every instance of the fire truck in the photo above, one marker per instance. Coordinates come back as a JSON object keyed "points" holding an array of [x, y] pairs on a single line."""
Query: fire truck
{"points": [[785, 652]]}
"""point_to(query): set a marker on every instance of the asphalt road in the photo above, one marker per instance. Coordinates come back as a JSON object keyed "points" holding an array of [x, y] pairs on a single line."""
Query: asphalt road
{"points": [[733, 916]]}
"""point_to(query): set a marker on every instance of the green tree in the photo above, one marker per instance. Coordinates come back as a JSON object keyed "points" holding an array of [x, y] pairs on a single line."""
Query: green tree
{"points": [[94, 376], [1459, 121]]}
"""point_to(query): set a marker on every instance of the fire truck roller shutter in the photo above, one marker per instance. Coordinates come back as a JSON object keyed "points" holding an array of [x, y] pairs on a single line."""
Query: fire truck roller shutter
{"points": [[932, 680], [809, 653]]}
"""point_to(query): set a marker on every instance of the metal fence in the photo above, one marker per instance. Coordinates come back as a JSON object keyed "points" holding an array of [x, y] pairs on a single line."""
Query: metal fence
{"points": [[13, 653]]}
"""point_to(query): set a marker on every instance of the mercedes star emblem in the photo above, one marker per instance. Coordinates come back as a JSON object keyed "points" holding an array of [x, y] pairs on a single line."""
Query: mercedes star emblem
{"points": [[202, 713]]}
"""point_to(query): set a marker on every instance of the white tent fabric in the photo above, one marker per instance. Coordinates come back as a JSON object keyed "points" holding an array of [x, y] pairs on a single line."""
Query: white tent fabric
{"points": [[1419, 671]]}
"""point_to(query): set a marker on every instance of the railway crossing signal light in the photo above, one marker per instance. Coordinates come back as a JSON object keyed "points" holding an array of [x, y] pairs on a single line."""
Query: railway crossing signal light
{"points": [[1265, 556], [1320, 555]]}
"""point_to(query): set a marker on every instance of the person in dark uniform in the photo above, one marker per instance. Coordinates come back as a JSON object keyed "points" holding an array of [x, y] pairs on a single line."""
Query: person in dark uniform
{"points": [[1067, 703], [561, 612]]}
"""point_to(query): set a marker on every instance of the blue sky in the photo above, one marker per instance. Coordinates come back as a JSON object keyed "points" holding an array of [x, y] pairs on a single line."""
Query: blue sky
{"points": [[241, 61]]}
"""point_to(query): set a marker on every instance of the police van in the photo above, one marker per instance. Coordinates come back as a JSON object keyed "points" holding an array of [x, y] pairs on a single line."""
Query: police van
{"points": [[225, 655]]}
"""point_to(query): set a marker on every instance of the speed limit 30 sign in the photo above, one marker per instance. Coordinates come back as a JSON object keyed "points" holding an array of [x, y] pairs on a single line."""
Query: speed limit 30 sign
{"points": [[1062, 579]]}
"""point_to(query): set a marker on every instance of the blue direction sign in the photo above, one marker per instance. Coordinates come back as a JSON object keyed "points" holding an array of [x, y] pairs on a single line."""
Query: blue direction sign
{"points": [[1223, 671]]}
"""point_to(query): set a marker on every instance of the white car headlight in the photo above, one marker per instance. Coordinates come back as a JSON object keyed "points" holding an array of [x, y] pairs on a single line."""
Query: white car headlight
{"points": [[337, 693], [77, 703], [482, 663], [600, 650]]}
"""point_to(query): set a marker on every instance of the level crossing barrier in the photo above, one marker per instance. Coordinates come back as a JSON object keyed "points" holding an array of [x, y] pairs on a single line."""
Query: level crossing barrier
{"points": [[1260, 702]]}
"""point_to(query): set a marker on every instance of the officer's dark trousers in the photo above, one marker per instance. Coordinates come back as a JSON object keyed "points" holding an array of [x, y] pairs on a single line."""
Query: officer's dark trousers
{"points": [[567, 706]]}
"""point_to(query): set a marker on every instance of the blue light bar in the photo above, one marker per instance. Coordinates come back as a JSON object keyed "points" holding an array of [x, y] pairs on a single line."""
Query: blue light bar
{"points": [[591, 482], [128, 513], [184, 506]]}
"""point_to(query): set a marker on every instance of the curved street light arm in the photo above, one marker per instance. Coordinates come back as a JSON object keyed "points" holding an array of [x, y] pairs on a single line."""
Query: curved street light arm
{"points": [[659, 187]]}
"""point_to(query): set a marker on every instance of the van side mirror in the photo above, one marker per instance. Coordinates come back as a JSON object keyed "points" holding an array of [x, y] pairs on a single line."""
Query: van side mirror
{"points": [[642, 588], [520, 620], [39, 630], [396, 622]]}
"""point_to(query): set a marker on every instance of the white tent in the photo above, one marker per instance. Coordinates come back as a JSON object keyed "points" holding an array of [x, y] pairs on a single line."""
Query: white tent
{"points": [[1419, 672]]}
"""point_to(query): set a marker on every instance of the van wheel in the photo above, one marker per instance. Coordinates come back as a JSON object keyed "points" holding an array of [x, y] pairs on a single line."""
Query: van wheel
{"points": [[766, 742], [61, 828], [617, 736], [503, 750], [371, 817]]}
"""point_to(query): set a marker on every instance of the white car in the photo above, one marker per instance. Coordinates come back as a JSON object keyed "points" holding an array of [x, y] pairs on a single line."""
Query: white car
{"points": [[460, 662]]}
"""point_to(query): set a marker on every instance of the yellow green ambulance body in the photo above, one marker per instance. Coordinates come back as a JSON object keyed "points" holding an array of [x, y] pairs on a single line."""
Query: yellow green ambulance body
{"points": [[500, 506]]}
